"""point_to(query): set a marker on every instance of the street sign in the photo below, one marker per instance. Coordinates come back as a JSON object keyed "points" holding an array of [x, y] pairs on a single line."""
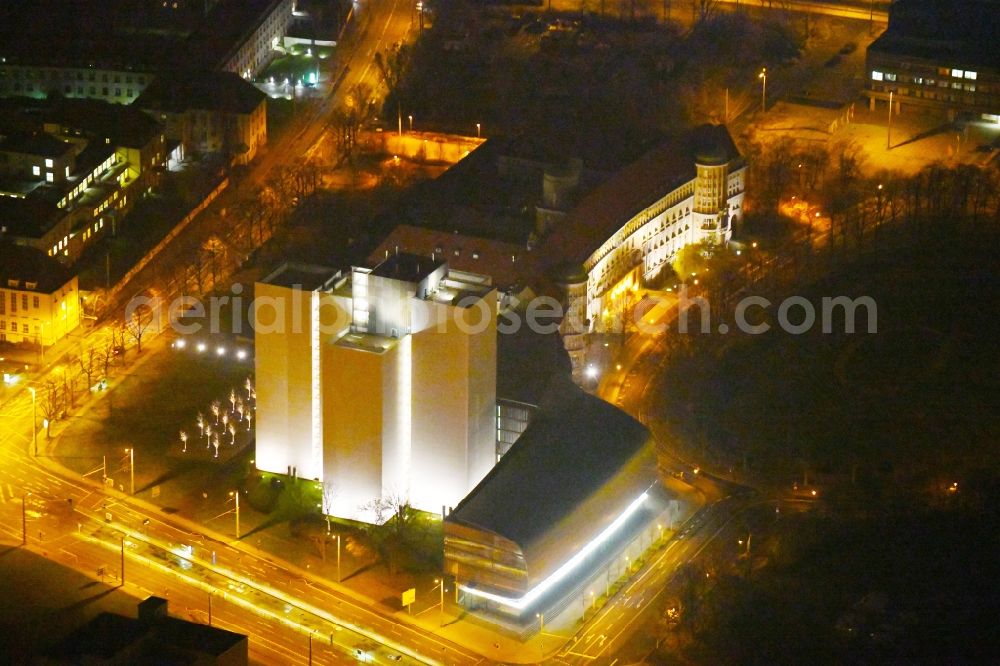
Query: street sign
{"points": [[409, 596]]}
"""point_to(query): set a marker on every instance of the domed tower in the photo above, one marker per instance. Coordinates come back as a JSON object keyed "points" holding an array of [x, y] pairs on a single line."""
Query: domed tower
{"points": [[711, 210]]}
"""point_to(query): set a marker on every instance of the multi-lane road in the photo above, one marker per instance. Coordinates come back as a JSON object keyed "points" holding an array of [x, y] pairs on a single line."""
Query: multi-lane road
{"points": [[290, 616]]}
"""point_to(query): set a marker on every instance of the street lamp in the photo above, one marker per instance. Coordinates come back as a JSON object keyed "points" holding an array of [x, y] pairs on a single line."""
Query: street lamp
{"points": [[888, 128], [411, 121], [763, 89], [34, 419], [236, 495], [478, 131], [440, 584], [131, 469], [541, 622], [338, 558]]}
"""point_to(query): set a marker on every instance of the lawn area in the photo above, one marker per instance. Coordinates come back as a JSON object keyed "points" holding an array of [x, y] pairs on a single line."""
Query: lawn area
{"points": [[147, 406]]}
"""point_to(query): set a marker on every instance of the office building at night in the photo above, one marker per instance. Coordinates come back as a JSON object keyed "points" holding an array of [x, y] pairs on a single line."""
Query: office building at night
{"points": [[72, 170], [938, 56], [377, 383], [209, 113]]}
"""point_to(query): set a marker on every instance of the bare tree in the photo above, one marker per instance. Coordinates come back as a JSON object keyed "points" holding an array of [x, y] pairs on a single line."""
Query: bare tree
{"points": [[702, 10], [52, 405], [89, 364], [393, 529], [392, 66], [137, 324], [329, 494]]}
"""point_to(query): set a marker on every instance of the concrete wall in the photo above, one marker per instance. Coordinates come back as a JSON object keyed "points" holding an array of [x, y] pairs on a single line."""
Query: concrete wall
{"points": [[283, 363], [454, 404], [353, 425], [422, 146]]}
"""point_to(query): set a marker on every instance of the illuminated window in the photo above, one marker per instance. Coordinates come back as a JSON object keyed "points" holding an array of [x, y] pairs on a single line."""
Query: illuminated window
{"points": [[957, 73], [48, 164], [970, 75], [876, 75], [48, 177], [36, 170], [890, 76]]}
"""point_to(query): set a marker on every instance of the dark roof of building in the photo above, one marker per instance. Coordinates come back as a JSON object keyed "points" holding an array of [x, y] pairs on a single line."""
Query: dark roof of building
{"points": [[640, 184], [127, 34], [227, 26], [165, 640], [530, 364], [35, 143], [492, 193], [575, 447], [30, 217], [407, 267], [306, 277], [29, 265], [951, 32], [507, 263], [125, 126], [210, 91]]}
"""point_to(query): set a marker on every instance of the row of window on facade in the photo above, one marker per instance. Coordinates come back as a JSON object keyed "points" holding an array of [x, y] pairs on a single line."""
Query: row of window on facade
{"points": [[68, 75], [68, 90], [90, 231], [13, 327], [878, 75], [35, 302]]}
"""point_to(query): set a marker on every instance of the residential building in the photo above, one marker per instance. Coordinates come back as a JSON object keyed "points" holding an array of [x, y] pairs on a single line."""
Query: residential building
{"points": [[380, 383], [39, 297], [209, 113], [938, 55]]}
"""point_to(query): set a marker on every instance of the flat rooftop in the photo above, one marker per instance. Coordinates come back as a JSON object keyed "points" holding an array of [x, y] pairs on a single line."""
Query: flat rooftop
{"points": [[407, 267], [369, 342], [304, 277]]}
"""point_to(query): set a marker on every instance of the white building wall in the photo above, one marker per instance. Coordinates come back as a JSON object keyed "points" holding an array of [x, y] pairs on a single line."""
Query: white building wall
{"points": [[284, 368], [355, 413]]}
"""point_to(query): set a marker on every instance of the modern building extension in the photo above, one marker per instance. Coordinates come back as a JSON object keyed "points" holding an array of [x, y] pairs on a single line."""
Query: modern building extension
{"points": [[561, 516]]}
